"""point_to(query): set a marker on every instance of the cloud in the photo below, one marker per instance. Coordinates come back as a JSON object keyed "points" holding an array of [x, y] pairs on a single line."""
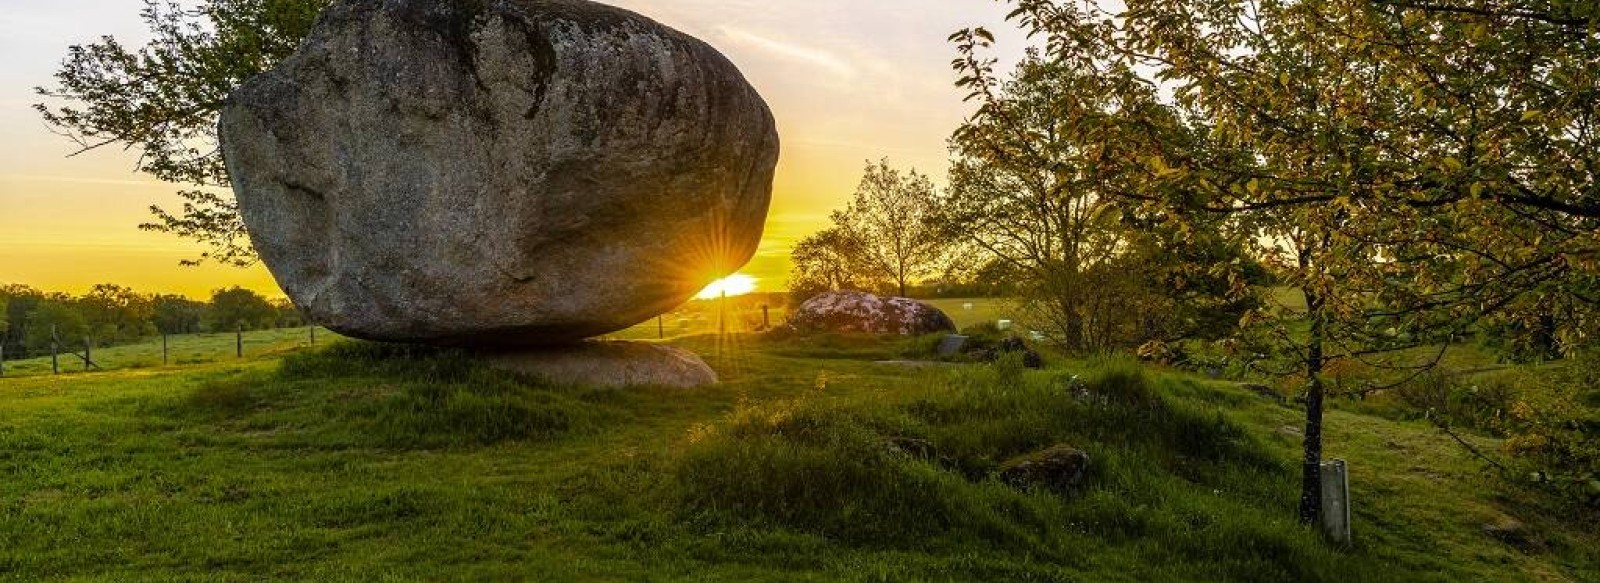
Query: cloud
{"points": [[816, 57]]}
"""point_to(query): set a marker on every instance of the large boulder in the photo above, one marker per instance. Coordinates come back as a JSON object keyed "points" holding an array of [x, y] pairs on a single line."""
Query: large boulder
{"points": [[515, 172], [853, 311]]}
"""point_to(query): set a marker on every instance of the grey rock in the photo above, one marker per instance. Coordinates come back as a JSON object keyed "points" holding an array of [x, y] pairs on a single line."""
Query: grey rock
{"points": [[498, 172], [853, 311], [609, 364], [1059, 469], [951, 345]]}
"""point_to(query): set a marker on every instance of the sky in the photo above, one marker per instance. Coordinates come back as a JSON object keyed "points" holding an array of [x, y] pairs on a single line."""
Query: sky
{"points": [[848, 80]]}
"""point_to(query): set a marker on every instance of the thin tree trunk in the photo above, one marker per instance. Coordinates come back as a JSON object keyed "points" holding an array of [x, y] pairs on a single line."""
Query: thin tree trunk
{"points": [[1311, 479]]}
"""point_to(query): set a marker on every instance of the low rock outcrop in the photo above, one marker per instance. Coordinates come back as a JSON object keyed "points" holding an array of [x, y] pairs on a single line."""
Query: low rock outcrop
{"points": [[853, 311]]}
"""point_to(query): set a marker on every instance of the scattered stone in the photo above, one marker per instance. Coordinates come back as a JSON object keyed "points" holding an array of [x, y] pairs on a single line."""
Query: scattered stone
{"points": [[951, 345], [1030, 357], [519, 172], [1058, 469], [853, 311], [921, 449], [1512, 532], [609, 364]]}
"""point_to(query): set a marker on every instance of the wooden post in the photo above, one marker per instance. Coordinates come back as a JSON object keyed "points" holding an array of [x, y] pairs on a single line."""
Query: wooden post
{"points": [[313, 335], [163, 349], [766, 318], [88, 353], [55, 352], [661, 327], [722, 314], [2, 357], [238, 339]]}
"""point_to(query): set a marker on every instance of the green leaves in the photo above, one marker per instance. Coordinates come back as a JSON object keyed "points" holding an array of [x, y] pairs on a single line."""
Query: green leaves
{"points": [[162, 99]]}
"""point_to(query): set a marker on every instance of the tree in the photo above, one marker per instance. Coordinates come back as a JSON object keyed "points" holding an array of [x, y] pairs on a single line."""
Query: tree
{"points": [[825, 261], [1037, 178], [19, 301], [53, 320], [1414, 166], [889, 227], [237, 308], [116, 314], [177, 314], [163, 99]]}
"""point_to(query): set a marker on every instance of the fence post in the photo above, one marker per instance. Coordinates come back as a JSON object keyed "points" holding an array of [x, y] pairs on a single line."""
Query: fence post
{"points": [[88, 356], [163, 349], [55, 351], [238, 340], [661, 327], [722, 314], [313, 335], [766, 318], [2, 357]]}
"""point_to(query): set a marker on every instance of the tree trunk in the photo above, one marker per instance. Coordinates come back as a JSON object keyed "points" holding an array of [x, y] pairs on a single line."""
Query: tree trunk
{"points": [[1311, 479]]}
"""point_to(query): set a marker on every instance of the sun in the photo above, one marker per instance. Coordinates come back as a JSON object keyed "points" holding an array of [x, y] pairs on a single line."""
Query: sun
{"points": [[733, 285]]}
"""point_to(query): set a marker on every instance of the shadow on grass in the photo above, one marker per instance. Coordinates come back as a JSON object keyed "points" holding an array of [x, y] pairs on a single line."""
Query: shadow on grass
{"points": [[394, 396]]}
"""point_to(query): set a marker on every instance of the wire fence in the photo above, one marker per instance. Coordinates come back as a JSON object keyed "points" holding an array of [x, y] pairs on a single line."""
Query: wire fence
{"points": [[69, 356]]}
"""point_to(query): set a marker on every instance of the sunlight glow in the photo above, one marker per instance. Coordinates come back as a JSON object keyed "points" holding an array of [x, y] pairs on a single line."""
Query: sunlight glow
{"points": [[733, 285]]}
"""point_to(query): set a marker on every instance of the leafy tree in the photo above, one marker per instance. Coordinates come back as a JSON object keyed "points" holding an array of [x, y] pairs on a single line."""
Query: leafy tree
{"points": [[116, 314], [1410, 165], [825, 261], [55, 319], [163, 99], [177, 314], [237, 307], [18, 301], [286, 315], [889, 227], [1038, 181]]}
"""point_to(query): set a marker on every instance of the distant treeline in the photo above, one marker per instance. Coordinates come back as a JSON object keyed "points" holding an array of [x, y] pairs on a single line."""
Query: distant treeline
{"points": [[111, 314]]}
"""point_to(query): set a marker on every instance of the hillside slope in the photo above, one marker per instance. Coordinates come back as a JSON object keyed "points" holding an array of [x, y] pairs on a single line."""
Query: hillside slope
{"points": [[812, 462]]}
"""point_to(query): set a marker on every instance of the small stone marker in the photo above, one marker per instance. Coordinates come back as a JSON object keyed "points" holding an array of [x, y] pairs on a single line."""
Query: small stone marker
{"points": [[1336, 501], [1003, 325], [951, 345], [967, 306]]}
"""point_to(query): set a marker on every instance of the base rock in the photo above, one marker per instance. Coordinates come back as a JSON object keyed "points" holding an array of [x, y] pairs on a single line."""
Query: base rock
{"points": [[609, 364]]}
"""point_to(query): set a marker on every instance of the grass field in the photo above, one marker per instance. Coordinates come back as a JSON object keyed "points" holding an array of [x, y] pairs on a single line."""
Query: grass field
{"points": [[182, 351], [365, 463]]}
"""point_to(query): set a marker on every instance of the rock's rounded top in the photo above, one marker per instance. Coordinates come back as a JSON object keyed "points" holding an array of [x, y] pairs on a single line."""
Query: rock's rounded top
{"points": [[854, 311], [491, 172]]}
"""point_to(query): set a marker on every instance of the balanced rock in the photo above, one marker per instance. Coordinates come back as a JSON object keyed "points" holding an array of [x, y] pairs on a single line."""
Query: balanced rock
{"points": [[498, 172], [853, 311]]}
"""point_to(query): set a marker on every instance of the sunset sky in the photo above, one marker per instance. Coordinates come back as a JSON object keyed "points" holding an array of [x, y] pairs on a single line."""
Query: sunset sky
{"points": [[849, 81]]}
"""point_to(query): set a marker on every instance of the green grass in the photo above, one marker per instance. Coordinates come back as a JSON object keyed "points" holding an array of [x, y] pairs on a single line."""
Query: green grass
{"points": [[182, 351], [364, 462]]}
